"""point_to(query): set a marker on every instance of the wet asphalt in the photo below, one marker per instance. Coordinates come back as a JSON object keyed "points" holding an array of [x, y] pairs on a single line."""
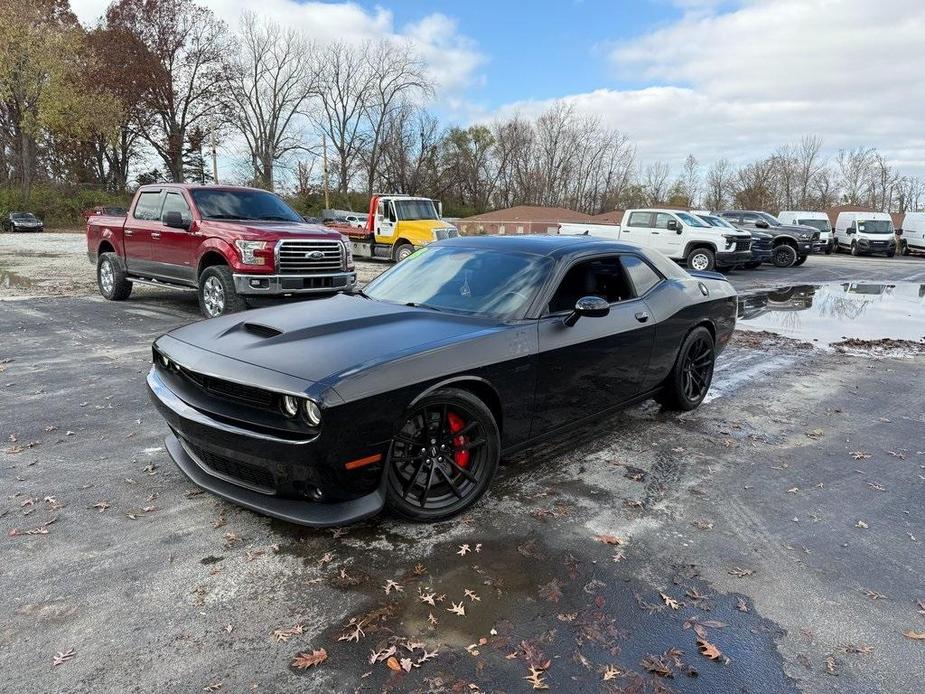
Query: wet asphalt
{"points": [[778, 524]]}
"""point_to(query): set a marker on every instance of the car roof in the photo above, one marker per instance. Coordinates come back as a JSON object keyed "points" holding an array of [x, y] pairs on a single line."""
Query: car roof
{"points": [[541, 244]]}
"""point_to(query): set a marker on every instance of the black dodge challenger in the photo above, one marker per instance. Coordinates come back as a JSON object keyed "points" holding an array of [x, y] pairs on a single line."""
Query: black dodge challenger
{"points": [[408, 394]]}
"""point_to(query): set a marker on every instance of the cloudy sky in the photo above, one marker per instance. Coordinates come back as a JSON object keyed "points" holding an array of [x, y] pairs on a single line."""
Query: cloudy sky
{"points": [[716, 78]]}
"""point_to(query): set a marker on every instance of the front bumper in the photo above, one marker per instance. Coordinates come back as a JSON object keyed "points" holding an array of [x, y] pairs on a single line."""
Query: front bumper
{"points": [[762, 255], [282, 477], [733, 257], [869, 246], [277, 285]]}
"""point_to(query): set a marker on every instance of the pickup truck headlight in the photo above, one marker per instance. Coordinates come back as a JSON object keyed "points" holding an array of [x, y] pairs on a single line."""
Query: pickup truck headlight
{"points": [[348, 253], [247, 250]]}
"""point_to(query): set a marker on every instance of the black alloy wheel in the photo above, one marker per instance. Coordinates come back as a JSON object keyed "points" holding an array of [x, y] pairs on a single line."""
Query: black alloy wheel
{"points": [[800, 260], [690, 378], [784, 256], [443, 456]]}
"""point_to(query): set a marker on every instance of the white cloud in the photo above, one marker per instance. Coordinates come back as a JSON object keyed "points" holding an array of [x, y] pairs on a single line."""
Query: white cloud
{"points": [[452, 58], [739, 83]]}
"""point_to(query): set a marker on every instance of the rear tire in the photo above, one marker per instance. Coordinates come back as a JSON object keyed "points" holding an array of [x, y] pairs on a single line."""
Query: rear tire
{"points": [[428, 477], [904, 248], [692, 373], [111, 278], [701, 259], [217, 296], [784, 256]]}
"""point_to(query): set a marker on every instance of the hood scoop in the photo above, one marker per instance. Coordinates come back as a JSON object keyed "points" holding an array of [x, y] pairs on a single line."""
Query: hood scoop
{"points": [[260, 330]]}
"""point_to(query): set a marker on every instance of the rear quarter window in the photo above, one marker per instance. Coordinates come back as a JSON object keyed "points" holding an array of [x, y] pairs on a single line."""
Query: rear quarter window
{"points": [[640, 219], [642, 277]]}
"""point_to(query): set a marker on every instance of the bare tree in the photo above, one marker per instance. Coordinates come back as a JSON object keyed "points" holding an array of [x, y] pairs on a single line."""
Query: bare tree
{"points": [[853, 166], [655, 182], [719, 185], [269, 81], [688, 183], [809, 165]]}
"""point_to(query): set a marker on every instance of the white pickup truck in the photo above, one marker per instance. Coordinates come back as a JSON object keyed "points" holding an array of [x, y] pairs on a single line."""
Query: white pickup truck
{"points": [[679, 235]]}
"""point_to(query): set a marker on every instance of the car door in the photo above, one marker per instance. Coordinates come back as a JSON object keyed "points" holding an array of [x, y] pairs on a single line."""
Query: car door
{"points": [[172, 250], [136, 234], [596, 363], [668, 241], [638, 228]]}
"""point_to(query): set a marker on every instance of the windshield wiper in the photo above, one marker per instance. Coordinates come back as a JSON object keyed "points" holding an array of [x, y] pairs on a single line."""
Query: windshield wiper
{"points": [[273, 218], [419, 305]]}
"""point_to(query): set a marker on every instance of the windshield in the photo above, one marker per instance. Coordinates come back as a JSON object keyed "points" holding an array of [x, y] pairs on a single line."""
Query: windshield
{"points": [[691, 220], [473, 281], [415, 209], [27, 216], [242, 204], [820, 224], [715, 221], [770, 219], [875, 226]]}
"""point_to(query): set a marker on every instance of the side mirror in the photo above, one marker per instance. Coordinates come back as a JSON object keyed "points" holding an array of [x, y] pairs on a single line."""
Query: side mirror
{"points": [[850, 230], [674, 226], [761, 224], [590, 306], [174, 220]]}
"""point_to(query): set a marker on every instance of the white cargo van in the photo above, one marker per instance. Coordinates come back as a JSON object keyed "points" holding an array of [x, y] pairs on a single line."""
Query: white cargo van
{"points": [[913, 237], [679, 235], [865, 233], [817, 220]]}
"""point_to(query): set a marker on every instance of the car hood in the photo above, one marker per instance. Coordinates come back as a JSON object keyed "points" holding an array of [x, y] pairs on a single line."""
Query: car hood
{"points": [[794, 230], [325, 340], [272, 231]]}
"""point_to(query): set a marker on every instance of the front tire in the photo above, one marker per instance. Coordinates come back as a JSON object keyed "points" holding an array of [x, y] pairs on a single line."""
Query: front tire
{"points": [[691, 376], [111, 278], [217, 296], [443, 456], [784, 256], [800, 260], [890, 254], [701, 259], [402, 251], [855, 251], [904, 248]]}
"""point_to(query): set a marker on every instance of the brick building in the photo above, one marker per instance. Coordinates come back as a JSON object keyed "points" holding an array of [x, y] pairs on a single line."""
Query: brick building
{"points": [[522, 219]]}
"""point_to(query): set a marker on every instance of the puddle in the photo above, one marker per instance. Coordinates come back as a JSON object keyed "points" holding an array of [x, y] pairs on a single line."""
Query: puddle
{"points": [[835, 312], [13, 280]]}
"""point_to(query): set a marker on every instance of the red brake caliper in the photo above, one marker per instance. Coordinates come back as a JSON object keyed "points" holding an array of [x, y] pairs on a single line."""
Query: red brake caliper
{"points": [[456, 424]]}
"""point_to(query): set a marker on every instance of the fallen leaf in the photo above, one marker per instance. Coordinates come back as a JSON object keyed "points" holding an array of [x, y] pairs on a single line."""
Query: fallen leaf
{"points": [[709, 650], [381, 654], [427, 597], [671, 602], [815, 434], [860, 455], [406, 664], [656, 666], [101, 505], [740, 572], [214, 687], [611, 673], [861, 524], [831, 666], [703, 525], [859, 648], [873, 595], [610, 539], [393, 664], [286, 634], [472, 596], [457, 609], [914, 635], [310, 659], [741, 605], [535, 678], [391, 585], [463, 550]]}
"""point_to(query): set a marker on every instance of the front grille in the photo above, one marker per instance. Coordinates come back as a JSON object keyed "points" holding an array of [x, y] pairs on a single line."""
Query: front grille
{"points": [[762, 243], [450, 233], [816, 236], [236, 391], [251, 475], [294, 257], [743, 245]]}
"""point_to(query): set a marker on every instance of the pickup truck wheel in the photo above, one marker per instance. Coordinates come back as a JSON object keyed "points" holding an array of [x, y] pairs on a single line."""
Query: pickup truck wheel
{"points": [[701, 259], [890, 254], [443, 456], [110, 278], [784, 256], [216, 293], [854, 248], [800, 260], [692, 373], [402, 251]]}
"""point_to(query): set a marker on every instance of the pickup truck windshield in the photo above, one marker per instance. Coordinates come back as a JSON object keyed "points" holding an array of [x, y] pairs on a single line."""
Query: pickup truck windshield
{"points": [[691, 220], [415, 209], [770, 219], [463, 280], [875, 226], [243, 205], [715, 221], [820, 224]]}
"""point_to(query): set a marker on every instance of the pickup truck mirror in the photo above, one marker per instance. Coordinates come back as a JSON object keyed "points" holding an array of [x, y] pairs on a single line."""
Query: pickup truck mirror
{"points": [[674, 226], [590, 306], [761, 224], [174, 220]]}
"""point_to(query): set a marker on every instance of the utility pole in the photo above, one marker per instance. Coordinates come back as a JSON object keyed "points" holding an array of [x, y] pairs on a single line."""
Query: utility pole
{"points": [[324, 154], [214, 162]]}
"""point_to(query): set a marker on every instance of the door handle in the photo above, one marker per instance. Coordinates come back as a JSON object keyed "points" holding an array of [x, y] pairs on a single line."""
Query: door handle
{"points": [[155, 234], [127, 232], [642, 316]]}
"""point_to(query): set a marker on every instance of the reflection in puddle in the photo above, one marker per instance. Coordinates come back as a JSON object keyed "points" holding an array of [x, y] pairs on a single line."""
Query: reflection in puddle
{"points": [[834, 311], [9, 280]]}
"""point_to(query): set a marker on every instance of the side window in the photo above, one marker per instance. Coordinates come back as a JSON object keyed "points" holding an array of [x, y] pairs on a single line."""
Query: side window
{"points": [[749, 218], [640, 219], [642, 277], [603, 277], [661, 220], [149, 206], [174, 202]]}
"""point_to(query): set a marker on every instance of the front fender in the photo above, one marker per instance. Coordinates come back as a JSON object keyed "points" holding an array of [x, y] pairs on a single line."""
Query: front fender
{"points": [[224, 249]]}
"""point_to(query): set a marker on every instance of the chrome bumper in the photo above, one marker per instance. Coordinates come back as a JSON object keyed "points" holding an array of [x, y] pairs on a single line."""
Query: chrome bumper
{"points": [[276, 285]]}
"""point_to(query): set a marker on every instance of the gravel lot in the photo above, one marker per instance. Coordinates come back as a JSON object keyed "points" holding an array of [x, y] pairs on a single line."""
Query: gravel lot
{"points": [[781, 519]]}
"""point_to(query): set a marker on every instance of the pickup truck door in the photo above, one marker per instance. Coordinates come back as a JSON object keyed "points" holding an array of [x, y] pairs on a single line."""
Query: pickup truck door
{"points": [[172, 250], [638, 228], [136, 235], [596, 363], [386, 221], [668, 241]]}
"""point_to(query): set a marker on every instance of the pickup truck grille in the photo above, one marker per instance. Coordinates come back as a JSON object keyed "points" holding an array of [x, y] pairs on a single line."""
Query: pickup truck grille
{"points": [[300, 257], [448, 233], [743, 245]]}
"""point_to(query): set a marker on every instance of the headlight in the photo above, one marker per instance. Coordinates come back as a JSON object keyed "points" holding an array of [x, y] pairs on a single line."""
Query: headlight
{"points": [[348, 253], [312, 412], [165, 362], [247, 249], [290, 406]]}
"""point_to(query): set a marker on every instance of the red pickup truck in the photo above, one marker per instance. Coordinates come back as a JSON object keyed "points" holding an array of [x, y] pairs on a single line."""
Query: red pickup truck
{"points": [[228, 243]]}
